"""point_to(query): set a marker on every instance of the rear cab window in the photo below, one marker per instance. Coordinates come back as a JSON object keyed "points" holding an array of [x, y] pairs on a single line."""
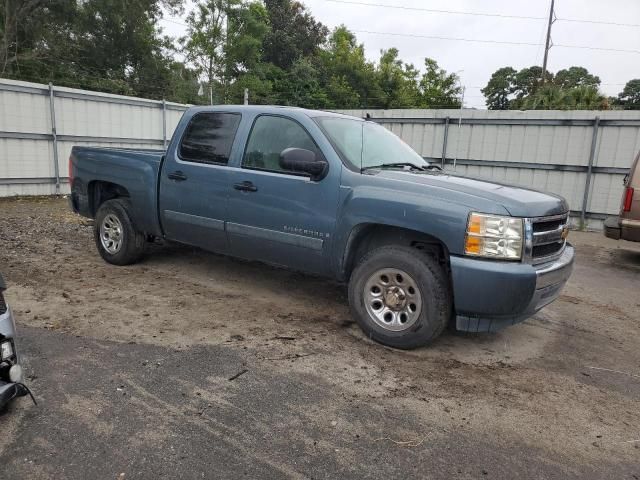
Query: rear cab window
{"points": [[209, 137]]}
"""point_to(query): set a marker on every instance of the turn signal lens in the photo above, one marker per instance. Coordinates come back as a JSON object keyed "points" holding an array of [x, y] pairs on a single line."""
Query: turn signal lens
{"points": [[473, 246], [494, 237]]}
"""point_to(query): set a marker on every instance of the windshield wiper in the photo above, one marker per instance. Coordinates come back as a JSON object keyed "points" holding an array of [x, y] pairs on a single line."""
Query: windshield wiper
{"points": [[394, 165]]}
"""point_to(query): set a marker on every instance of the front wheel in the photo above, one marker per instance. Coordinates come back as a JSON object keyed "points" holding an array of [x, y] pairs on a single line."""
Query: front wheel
{"points": [[400, 297], [115, 235]]}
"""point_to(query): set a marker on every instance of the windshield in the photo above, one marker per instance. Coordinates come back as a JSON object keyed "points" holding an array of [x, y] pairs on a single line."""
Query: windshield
{"points": [[367, 144]]}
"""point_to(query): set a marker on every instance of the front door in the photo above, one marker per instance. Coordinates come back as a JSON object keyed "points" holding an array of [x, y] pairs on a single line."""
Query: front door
{"points": [[274, 215], [194, 182]]}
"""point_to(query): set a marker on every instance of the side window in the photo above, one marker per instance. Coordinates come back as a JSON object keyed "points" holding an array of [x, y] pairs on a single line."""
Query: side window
{"points": [[271, 135], [209, 137]]}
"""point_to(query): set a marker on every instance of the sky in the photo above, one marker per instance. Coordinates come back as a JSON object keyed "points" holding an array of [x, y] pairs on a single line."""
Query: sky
{"points": [[476, 61]]}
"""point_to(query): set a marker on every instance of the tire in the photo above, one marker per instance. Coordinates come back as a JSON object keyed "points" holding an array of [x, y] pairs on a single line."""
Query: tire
{"points": [[426, 311], [113, 216]]}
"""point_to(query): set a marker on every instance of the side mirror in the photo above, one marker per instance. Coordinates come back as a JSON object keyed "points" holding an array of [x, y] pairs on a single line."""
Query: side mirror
{"points": [[300, 160]]}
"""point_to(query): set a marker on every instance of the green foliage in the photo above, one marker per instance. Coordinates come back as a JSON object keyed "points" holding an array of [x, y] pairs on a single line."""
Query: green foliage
{"points": [[570, 89], [575, 77], [345, 74], [500, 88], [294, 33], [105, 45], [629, 98], [553, 97], [439, 89], [274, 48]]}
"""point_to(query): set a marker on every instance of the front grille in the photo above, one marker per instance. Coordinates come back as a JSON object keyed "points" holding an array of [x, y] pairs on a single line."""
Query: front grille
{"points": [[545, 226], [548, 235], [3, 305]]}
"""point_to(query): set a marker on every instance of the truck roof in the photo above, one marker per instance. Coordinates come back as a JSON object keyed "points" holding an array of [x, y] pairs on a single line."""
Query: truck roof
{"points": [[271, 109]]}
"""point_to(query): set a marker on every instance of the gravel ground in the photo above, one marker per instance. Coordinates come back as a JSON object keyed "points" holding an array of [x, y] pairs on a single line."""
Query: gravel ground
{"points": [[132, 365]]}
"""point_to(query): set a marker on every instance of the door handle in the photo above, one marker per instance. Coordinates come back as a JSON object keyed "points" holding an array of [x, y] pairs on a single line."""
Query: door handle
{"points": [[178, 176], [246, 186]]}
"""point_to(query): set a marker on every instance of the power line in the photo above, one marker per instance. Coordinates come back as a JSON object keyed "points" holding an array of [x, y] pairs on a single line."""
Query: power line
{"points": [[174, 21], [458, 39], [500, 42], [602, 49], [433, 10], [479, 14], [599, 22]]}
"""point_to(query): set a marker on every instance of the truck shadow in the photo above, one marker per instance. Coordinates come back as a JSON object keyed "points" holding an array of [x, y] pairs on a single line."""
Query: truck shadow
{"points": [[628, 259], [308, 303]]}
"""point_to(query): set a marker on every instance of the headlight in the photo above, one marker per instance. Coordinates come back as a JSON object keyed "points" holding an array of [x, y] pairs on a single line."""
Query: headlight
{"points": [[6, 350], [493, 236]]}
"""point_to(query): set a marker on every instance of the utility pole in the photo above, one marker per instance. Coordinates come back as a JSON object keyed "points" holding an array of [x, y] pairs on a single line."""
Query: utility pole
{"points": [[455, 157], [226, 54], [246, 96], [548, 44]]}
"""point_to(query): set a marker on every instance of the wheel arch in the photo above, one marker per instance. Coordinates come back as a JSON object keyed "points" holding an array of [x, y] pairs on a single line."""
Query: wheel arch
{"points": [[99, 191], [368, 236]]}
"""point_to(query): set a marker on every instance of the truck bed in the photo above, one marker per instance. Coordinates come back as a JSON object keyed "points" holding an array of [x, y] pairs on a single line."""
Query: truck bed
{"points": [[134, 169]]}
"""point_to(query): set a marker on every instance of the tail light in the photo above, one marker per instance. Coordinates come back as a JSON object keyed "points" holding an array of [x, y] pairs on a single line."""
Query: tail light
{"points": [[628, 198], [70, 171]]}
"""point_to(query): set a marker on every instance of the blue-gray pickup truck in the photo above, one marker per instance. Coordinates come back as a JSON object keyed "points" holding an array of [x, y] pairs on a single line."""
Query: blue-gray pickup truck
{"points": [[340, 197]]}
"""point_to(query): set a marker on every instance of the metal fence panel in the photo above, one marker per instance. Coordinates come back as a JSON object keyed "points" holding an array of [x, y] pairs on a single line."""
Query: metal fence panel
{"points": [[34, 154], [563, 152]]}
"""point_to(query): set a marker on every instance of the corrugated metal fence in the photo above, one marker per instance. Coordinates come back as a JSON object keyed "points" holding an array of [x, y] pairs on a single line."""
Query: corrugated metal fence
{"points": [[40, 123], [582, 155]]}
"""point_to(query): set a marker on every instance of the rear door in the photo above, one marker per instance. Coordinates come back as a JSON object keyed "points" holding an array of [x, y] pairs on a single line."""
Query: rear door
{"points": [[195, 179], [274, 215]]}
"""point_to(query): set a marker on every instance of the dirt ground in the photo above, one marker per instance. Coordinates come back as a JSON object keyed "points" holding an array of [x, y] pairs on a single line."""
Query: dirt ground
{"points": [[555, 397]]}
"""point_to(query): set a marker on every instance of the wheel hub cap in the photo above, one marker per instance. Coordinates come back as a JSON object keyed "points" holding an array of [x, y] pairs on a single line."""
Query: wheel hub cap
{"points": [[392, 299], [111, 234], [395, 298]]}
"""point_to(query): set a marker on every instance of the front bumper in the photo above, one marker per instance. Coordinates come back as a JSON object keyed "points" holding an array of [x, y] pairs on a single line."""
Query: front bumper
{"points": [[490, 295]]}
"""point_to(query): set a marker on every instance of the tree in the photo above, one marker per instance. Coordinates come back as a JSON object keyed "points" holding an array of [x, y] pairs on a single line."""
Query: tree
{"points": [[576, 77], [398, 81], [204, 44], [294, 33], [526, 82], [548, 97], [629, 98], [552, 97], [248, 27], [439, 89], [499, 89], [586, 97], [346, 73], [106, 45], [573, 88], [301, 86]]}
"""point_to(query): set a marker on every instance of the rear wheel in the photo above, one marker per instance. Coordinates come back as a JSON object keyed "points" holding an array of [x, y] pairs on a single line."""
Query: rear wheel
{"points": [[400, 297], [115, 235]]}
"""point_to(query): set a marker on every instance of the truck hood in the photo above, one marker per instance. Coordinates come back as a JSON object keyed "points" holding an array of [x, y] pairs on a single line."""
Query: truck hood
{"points": [[518, 201]]}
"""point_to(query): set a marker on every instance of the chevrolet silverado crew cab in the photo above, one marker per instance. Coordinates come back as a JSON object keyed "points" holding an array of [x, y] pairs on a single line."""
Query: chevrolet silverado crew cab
{"points": [[340, 197]]}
